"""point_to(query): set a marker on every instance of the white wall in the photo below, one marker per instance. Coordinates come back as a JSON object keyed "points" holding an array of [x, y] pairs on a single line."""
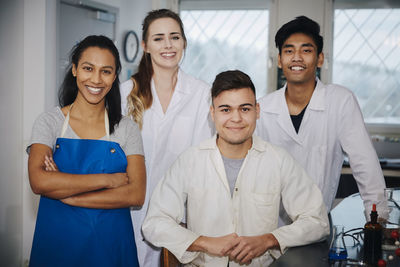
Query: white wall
{"points": [[131, 13], [11, 113], [38, 92], [170, 4]]}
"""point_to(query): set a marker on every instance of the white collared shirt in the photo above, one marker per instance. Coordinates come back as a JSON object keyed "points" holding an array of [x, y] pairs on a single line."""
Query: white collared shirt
{"points": [[268, 176], [332, 126]]}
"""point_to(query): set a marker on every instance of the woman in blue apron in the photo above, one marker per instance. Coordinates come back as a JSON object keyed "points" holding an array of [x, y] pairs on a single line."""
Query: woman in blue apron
{"points": [[86, 161]]}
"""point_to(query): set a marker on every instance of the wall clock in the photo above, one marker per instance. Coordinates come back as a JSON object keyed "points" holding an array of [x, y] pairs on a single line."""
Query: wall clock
{"points": [[131, 46]]}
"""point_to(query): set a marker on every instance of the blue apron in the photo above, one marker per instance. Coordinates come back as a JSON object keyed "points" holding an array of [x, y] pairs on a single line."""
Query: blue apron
{"points": [[74, 236]]}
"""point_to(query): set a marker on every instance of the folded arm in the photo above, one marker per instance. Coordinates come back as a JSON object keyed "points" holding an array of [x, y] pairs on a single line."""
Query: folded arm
{"points": [[58, 185], [130, 194]]}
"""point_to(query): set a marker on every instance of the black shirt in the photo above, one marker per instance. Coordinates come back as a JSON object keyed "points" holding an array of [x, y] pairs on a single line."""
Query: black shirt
{"points": [[296, 119]]}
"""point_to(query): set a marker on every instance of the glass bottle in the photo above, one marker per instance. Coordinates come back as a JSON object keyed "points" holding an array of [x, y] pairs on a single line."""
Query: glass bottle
{"points": [[337, 248], [373, 239], [393, 221]]}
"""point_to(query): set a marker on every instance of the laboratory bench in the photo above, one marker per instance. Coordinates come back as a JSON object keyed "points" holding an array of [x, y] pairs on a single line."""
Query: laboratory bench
{"points": [[349, 213], [348, 185]]}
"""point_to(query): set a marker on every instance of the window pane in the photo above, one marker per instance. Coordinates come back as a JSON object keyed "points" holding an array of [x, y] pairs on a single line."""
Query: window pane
{"points": [[220, 40], [366, 55]]}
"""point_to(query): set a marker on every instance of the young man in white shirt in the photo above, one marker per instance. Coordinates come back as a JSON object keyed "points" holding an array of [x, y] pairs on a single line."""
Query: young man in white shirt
{"points": [[316, 123], [232, 186]]}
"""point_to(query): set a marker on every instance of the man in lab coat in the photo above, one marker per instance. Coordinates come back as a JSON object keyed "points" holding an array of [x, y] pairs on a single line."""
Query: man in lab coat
{"points": [[232, 186], [316, 123]]}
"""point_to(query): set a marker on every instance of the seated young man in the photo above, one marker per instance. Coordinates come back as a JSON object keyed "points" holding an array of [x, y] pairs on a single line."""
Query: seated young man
{"points": [[232, 186]]}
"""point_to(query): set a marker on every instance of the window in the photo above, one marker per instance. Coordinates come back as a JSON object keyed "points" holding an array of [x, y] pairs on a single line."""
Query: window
{"points": [[366, 52], [222, 39]]}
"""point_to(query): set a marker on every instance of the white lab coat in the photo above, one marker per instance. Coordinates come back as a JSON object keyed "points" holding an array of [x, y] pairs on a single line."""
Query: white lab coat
{"points": [[268, 176], [332, 126], [185, 123]]}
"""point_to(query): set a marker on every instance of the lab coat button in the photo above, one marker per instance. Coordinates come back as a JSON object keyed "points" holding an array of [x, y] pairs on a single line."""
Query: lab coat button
{"points": [[57, 146], [112, 150]]}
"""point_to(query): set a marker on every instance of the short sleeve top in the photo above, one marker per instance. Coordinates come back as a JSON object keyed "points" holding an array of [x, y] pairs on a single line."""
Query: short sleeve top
{"points": [[47, 128]]}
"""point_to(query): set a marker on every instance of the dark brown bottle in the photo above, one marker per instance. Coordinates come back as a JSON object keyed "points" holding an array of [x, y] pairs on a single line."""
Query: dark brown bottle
{"points": [[372, 239]]}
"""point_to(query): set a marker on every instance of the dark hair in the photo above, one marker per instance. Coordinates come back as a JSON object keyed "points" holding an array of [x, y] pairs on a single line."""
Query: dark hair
{"points": [[69, 89], [300, 24], [141, 98], [230, 80]]}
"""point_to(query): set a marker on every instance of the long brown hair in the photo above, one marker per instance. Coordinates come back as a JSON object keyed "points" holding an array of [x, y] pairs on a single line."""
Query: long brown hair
{"points": [[140, 98]]}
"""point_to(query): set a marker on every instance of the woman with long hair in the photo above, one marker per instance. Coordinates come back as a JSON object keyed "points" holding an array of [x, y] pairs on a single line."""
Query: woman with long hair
{"points": [[171, 107], [86, 162]]}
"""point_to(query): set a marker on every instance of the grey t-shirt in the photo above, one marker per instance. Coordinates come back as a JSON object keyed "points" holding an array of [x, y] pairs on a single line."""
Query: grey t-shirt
{"points": [[232, 168], [47, 128]]}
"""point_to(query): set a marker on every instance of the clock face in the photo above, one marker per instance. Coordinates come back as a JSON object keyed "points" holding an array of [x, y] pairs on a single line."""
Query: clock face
{"points": [[131, 46]]}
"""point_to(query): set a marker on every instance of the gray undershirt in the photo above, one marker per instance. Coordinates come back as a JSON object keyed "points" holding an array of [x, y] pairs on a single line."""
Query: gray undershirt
{"points": [[232, 168]]}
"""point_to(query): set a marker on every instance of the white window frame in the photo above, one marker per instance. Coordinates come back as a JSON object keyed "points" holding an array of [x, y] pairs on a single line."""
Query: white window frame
{"points": [[373, 128], [210, 5], [222, 4]]}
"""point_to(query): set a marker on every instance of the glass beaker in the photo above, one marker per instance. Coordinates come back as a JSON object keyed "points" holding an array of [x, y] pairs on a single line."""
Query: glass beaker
{"points": [[337, 248], [393, 222]]}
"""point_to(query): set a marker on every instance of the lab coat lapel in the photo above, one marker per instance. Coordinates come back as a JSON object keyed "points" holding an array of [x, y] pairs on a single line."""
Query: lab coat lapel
{"points": [[316, 104], [174, 105], [284, 120], [181, 94], [156, 105], [216, 159]]}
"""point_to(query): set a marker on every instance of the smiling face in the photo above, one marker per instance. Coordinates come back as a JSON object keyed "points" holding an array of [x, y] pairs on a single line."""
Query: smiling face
{"points": [[164, 43], [235, 113], [299, 59], [95, 74]]}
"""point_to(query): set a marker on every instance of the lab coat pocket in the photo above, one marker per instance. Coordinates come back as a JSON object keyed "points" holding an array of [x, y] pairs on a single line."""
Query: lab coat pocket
{"points": [[263, 199], [264, 210], [180, 137]]}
